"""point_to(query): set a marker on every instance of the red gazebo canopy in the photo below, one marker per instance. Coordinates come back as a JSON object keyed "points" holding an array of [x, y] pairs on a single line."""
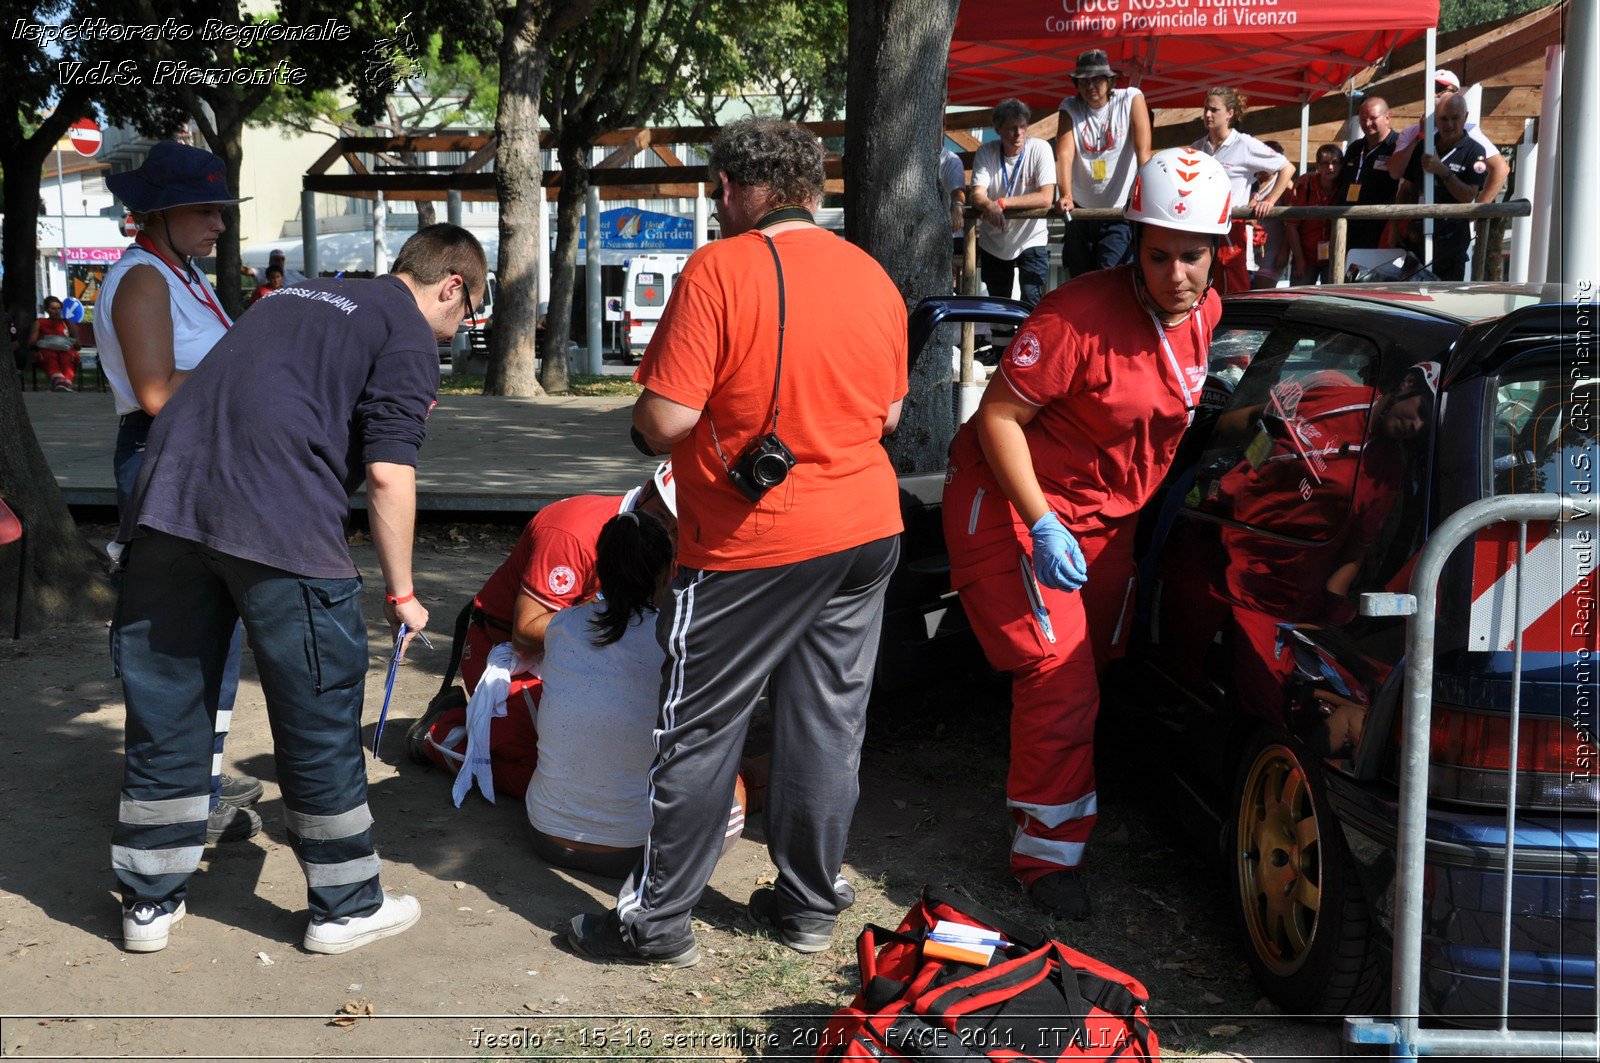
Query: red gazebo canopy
{"points": [[1275, 51]]}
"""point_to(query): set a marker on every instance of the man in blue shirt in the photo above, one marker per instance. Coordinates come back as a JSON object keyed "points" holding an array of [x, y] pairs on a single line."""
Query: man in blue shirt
{"points": [[239, 512]]}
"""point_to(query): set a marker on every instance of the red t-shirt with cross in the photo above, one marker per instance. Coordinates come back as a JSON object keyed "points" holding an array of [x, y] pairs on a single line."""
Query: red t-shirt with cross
{"points": [[554, 559], [1113, 398]]}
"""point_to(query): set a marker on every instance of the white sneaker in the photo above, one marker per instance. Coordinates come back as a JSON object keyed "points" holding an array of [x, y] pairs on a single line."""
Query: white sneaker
{"points": [[397, 914], [145, 926]]}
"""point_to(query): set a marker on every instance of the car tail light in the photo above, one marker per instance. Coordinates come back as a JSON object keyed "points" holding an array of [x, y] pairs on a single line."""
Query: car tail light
{"points": [[1469, 754]]}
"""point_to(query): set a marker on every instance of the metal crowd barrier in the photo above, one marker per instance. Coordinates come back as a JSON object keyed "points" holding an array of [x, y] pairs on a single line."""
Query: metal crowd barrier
{"points": [[1404, 1031]]}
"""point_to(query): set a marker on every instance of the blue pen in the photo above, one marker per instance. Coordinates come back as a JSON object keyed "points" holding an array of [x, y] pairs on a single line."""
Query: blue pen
{"points": [[1030, 583]]}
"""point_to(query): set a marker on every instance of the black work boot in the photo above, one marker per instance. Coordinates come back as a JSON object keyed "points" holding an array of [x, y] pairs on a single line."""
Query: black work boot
{"points": [[599, 937], [799, 932], [1064, 894]]}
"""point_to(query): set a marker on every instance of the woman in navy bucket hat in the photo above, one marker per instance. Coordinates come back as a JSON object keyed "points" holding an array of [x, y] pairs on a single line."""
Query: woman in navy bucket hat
{"points": [[156, 318]]}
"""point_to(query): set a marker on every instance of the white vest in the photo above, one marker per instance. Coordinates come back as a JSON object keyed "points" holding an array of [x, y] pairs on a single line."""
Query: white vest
{"points": [[1103, 162], [195, 329]]}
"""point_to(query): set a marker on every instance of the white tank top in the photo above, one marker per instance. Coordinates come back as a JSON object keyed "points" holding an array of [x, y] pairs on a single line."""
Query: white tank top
{"points": [[195, 329], [1102, 164]]}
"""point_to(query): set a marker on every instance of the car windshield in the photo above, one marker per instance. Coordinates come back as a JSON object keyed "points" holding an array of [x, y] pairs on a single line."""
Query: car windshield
{"points": [[1544, 431]]}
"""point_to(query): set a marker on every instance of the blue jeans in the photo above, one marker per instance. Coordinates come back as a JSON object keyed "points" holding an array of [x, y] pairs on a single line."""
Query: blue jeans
{"points": [[179, 610], [1033, 264], [1090, 245], [132, 431]]}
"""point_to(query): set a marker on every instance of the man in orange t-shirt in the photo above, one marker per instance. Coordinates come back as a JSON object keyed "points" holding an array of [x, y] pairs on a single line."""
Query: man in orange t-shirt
{"points": [[784, 332]]}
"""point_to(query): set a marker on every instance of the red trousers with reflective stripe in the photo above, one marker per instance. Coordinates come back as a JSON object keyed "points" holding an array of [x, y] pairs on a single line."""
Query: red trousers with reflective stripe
{"points": [[1055, 693]]}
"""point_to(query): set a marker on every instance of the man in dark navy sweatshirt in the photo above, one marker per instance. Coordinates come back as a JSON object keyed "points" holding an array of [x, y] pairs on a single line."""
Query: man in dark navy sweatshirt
{"points": [[240, 512]]}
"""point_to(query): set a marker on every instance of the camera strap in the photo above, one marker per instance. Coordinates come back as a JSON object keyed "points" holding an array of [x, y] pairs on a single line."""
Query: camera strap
{"points": [[783, 313]]}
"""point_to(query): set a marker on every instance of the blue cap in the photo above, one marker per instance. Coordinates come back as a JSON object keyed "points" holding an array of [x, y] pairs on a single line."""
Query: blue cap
{"points": [[173, 175]]}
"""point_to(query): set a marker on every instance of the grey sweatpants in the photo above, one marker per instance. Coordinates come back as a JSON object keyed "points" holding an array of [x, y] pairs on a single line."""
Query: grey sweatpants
{"points": [[811, 630]]}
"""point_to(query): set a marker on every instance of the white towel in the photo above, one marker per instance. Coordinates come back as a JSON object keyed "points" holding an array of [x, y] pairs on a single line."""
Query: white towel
{"points": [[488, 701]]}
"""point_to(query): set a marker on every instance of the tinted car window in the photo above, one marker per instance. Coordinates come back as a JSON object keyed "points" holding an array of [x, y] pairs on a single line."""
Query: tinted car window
{"points": [[1285, 451], [649, 289], [1544, 431]]}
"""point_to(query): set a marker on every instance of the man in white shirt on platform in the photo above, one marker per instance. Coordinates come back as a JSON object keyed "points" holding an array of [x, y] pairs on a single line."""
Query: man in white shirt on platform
{"points": [[1018, 172], [1102, 137]]}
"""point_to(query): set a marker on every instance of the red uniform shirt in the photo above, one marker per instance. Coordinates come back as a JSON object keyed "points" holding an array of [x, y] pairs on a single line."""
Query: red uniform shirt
{"points": [[1314, 232], [1113, 398], [553, 561]]}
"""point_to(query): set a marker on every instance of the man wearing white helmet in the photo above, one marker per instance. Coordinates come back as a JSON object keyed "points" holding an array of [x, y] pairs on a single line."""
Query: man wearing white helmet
{"points": [[1074, 433]]}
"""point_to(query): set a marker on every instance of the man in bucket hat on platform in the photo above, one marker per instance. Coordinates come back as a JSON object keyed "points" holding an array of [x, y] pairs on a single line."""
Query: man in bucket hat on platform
{"points": [[1102, 137]]}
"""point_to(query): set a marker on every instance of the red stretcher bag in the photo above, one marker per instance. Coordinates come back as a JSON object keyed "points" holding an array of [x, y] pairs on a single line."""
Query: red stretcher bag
{"points": [[1037, 1001]]}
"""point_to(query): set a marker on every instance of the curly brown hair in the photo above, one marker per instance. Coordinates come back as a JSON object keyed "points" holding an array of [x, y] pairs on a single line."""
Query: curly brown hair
{"points": [[771, 153]]}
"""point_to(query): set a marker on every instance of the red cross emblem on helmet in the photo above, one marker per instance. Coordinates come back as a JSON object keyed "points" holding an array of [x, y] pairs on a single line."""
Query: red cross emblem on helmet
{"points": [[1180, 208]]}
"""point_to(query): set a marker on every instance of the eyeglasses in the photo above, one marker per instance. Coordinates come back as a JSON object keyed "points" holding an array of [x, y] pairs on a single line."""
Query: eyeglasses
{"points": [[715, 195], [467, 296]]}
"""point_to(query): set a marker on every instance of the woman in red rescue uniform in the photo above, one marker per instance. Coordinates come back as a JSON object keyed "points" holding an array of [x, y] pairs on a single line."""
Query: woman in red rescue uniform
{"points": [[1045, 483]]}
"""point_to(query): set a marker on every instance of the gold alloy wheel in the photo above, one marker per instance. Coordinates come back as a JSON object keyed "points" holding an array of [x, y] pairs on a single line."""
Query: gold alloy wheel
{"points": [[1279, 860]]}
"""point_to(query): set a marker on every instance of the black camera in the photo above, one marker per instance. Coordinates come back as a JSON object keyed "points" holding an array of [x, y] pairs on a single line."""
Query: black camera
{"points": [[763, 465]]}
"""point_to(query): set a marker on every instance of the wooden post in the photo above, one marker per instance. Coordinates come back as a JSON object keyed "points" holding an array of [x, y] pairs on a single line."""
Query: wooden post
{"points": [[969, 283], [1480, 251], [1336, 250]]}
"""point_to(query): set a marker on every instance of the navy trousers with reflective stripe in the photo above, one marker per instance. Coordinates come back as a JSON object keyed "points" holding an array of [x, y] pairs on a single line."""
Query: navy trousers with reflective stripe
{"points": [[179, 606], [808, 634]]}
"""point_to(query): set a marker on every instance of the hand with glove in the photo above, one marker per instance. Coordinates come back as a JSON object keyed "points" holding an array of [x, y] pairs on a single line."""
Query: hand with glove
{"points": [[1056, 558]]}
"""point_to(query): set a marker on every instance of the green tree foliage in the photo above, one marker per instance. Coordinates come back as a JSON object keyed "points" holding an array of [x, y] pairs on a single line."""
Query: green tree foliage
{"points": [[621, 68], [432, 92], [786, 59], [1459, 14]]}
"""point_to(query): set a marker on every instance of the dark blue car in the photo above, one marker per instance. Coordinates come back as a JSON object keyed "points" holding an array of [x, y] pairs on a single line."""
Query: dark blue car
{"points": [[1341, 425]]}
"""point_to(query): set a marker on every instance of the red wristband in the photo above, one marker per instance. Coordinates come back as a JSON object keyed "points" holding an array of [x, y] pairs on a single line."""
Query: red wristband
{"points": [[1001, 202], [402, 599]]}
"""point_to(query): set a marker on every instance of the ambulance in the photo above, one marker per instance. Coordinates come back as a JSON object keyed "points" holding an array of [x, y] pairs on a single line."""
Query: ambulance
{"points": [[649, 284]]}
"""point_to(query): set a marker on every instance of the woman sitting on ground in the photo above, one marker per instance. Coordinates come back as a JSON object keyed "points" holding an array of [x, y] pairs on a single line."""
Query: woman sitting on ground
{"points": [[589, 801]]}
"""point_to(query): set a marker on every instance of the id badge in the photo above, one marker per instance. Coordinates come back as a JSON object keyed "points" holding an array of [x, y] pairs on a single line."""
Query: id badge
{"points": [[1322, 250], [1098, 169], [1354, 193], [1256, 453]]}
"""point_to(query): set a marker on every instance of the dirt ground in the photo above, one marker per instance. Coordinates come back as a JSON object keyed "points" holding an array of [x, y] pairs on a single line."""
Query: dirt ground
{"points": [[483, 975]]}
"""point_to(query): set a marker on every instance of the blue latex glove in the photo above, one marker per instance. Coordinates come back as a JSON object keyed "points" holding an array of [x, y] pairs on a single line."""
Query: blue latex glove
{"points": [[1056, 557]]}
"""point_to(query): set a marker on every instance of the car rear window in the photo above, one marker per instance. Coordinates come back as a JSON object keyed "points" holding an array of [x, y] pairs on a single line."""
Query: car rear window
{"points": [[1544, 430], [649, 289], [1284, 453]]}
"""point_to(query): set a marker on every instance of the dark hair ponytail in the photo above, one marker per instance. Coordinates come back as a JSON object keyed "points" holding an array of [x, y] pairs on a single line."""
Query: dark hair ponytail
{"points": [[634, 548]]}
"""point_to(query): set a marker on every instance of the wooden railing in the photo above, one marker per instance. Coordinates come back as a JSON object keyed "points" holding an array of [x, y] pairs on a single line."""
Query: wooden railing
{"points": [[1340, 215]]}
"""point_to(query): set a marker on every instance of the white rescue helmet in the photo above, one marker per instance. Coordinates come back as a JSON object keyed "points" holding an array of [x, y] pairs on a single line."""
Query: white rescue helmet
{"points": [[665, 486], [1183, 189]]}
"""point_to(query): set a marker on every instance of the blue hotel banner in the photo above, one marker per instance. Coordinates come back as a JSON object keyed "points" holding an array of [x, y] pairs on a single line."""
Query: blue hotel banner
{"points": [[632, 229]]}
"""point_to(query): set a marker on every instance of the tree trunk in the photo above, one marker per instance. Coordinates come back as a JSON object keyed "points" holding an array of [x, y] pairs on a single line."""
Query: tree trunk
{"points": [[65, 577], [564, 266], [519, 182], [893, 209], [21, 178], [230, 146]]}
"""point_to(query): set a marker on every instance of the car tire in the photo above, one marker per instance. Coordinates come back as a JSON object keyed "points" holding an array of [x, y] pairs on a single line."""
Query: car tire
{"points": [[1307, 928]]}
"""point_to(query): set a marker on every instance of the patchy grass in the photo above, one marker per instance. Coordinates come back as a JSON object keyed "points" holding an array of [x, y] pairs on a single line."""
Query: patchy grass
{"points": [[579, 384]]}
